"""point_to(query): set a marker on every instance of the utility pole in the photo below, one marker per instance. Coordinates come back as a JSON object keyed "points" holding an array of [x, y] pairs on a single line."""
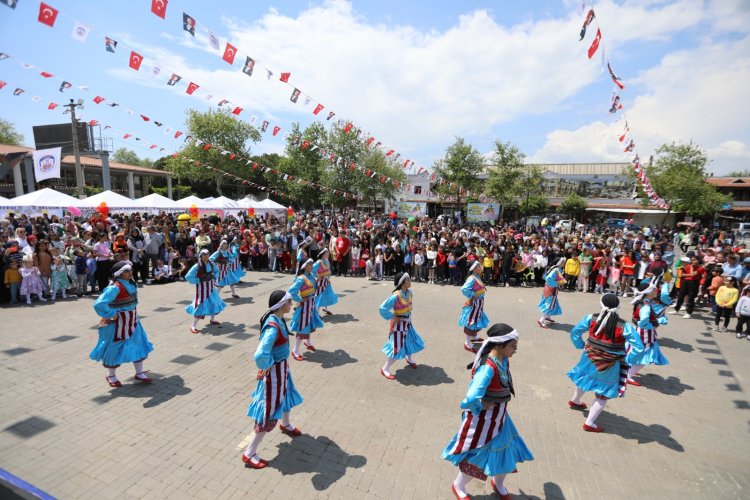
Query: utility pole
{"points": [[76, 152]]}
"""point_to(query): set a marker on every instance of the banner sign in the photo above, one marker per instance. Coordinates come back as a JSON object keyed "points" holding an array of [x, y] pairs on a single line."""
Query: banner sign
{"points": [[412, 209], [47, 164], [482, 212]]}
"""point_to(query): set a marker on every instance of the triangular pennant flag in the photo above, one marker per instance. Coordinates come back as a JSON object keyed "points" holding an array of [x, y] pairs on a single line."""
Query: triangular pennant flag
{"points": [[145, 118], [126, 136], [285, 77], [98, 99], [46, 75], [51, 105], [65, 86], [237, 111], [318, 109], [269, 74], [390, 152], [135, 60], [348, 127], [616, 106], [249, 66], [18, 91], [174, 79], [188, 24], [47, 14], [264, 126], [615, 78], [109, 44], [80, 32], [595, 43], [276, 130], [155, 71], [159, 8], [295, 95], [213, 40], [331, 114], [192, 87], [229, 52]]}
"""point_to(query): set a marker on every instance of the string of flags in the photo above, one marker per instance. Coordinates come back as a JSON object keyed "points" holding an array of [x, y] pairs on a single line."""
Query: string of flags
{"points": [[240, 179], [626, 138]]}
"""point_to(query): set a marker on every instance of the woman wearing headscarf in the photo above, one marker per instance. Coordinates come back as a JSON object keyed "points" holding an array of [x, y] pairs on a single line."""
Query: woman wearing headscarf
{"points": [[324, 294], [222, 257], [487, 443], [473, 317], [275, 394], [122, 338], [647, 316], [549, 305], [403, 339], [206, 301], [602, 368], [306, 318]]}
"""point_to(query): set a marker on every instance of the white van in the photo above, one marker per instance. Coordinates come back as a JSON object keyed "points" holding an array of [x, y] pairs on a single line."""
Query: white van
{"points": [[741, 229]]}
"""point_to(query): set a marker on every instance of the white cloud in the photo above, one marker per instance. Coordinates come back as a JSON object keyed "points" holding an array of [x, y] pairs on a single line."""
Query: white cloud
{"points": [[694, 95]]}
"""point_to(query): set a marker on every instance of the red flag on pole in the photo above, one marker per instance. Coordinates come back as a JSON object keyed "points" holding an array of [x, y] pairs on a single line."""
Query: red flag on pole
{"points": [[135, 60], [595, 43], [229, 53], [47, 14], [159, 7]]}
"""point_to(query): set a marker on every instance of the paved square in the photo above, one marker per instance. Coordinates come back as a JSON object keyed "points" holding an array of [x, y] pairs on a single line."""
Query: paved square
{"points": [[684, 434]]}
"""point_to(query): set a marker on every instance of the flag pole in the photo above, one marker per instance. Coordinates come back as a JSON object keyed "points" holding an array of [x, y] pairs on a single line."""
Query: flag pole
{"points": [[76, 152]]}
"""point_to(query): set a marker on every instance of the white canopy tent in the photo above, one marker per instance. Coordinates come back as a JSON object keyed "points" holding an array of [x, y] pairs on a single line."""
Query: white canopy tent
{"points": [[224, 203], [248, 203], [191, 200], [157, 201], [114, 201], [268, 206], [45, 198]]}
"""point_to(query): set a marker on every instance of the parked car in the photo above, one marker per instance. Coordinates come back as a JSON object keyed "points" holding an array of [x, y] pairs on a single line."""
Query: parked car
{"points": [[623, 224], [741, 229], [565, 224]]}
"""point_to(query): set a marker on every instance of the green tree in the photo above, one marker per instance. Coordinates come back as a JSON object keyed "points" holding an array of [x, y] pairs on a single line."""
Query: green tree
{"points": [[531, 187], [461, 165], [574, 206], [509, 177], [535, 204], [222, 131], [678, 175], [9, 135], [126, 156], [305, 163], [739, 173]]}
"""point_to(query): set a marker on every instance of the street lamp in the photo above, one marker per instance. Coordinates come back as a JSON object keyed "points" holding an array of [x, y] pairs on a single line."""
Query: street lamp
{"points": [[76, 152]]}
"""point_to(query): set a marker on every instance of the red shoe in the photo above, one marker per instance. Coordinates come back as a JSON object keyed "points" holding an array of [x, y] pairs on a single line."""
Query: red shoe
{"points": [[389, 377], [542, 324], [581, 406], [298, 358], [145, 379], [470, 349], [310, 347], [494, 488], [413, 365], [194, 330], [116, 383], [262, 464], [634, 382], [453, 487], [214, 322], [588, 428], [296, 432]]}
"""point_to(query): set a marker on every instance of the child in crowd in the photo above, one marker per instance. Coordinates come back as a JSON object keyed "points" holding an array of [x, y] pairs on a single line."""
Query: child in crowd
{"points": [[726, 297], [356, 253], [59, 278], [742, 309], [31, 280], [716, 282], [453, 269], [12, 280], [487, 266], [419, 265], [431, 255], [179, 269], [162, 274], [572, 270], [614, 277], [81, 270], [601, 270], [371, 269], [91, 272], [379, 263]]}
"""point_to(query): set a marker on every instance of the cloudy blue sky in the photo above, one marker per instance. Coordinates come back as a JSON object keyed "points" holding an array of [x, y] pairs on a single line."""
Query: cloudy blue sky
{"points": [[414, 74]]}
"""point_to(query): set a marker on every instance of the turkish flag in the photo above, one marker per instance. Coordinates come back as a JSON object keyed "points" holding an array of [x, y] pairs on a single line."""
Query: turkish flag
{"points": [[93, 123], [229, 53], [192, 87], [177, 134], [369, 141], [126, 136], [46, 75], [237, 111], [159, 7], [47, 14], [390, 152], [276, 130], [98, 99], [145, 118], [51, 105], [595, 43], [135, 60], [348, 127], [2, 84], [285, 77], [153, 146], [318, 109]]}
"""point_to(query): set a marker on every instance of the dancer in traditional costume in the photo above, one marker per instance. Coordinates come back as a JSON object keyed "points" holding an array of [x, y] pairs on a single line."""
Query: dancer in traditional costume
{"points": [[473, 317], [487, 443], [122, 338], [306, 318], [324, 294], [275, 394], [207, 301], [223, 257], [602, 368], [550, 305], [646, 320], [235, 267], [403, 339]]}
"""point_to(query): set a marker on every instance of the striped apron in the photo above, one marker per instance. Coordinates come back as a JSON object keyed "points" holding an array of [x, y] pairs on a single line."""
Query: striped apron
{"points": [[275, 385], [323, 283], [202, 291], [478, 430], [648, 337], [125, 325], [305, 318], [399, 329], [477, 307]]}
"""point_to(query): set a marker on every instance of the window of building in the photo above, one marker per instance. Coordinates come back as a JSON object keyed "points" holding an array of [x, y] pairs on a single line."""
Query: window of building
{"points": [[417, 189]]}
